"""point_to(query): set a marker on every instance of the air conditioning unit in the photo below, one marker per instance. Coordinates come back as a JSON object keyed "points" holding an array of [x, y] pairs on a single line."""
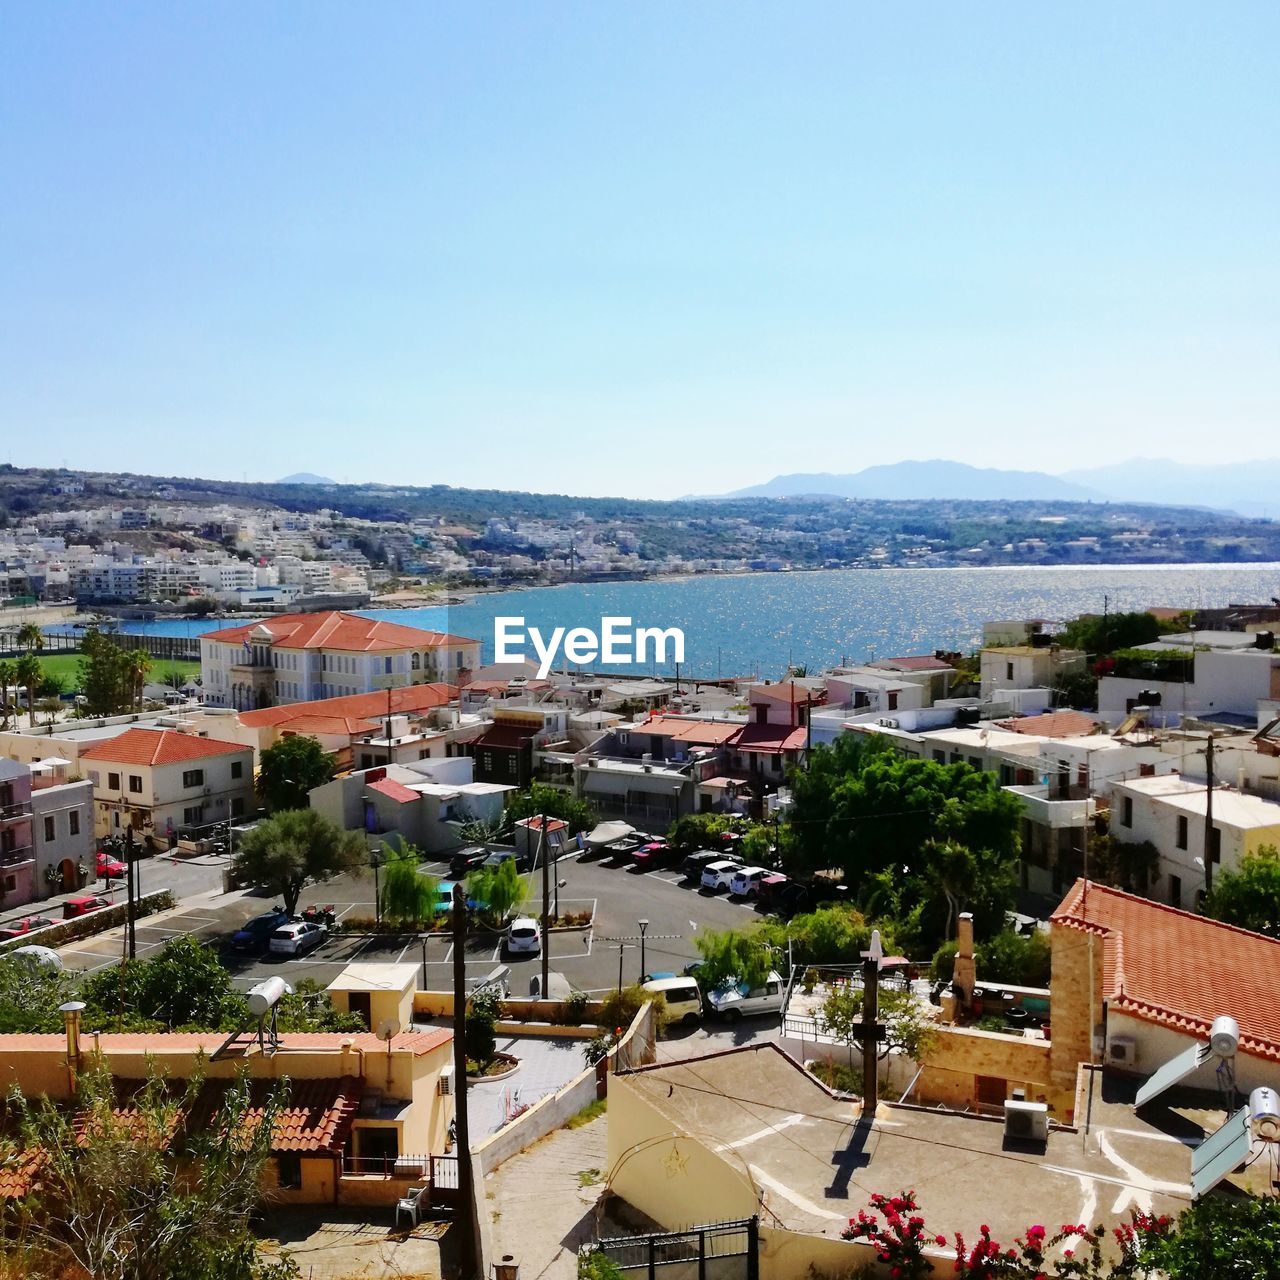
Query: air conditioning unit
{"points": [[1122, 1051], [445, 1086], [1026, 1121]]}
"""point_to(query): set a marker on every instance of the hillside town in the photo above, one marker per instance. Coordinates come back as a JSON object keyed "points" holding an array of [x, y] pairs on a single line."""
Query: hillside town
{"points": [[1023, 898]]}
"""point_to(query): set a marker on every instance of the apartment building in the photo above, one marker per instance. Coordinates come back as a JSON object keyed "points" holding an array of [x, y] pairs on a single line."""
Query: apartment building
{"points": [[158, 781], [303, 657]]}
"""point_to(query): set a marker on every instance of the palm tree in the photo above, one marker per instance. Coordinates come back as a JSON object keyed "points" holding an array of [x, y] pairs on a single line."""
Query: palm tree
{"points": [[30, 673], [30, 637], [8, 678], [136, 665]]}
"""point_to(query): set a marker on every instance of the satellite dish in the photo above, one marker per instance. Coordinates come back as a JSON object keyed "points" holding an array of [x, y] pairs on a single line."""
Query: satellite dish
{"points": [[388, 1029]]}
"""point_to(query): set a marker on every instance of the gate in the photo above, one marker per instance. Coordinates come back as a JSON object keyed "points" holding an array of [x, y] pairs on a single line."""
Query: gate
{"points": [[713, 1251]]}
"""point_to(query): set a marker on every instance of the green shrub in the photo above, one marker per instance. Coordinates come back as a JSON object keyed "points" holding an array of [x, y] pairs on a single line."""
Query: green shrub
{"points": [[574, 1009], [619, 1008]]}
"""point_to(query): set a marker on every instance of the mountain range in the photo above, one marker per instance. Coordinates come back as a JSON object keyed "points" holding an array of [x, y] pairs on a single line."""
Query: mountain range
{"points": [[1249, 488]]}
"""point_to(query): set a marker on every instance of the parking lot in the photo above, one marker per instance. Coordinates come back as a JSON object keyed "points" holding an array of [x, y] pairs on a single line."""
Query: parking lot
{"points": [[589, 959]]}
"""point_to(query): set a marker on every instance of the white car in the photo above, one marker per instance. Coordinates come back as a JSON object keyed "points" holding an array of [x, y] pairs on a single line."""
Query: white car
{"points": [[740, 1001], [746, 884], [719, 875], [296, 939], [524, 936]]}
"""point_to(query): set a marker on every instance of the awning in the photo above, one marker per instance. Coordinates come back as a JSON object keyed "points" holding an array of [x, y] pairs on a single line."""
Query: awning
{"points": [[608, 832]]}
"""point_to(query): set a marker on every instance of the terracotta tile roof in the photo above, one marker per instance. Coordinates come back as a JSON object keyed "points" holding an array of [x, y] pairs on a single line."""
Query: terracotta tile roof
{"points": [[788, 691], [1053, 724], [506, 735], [348, 632], [771, 737], [1178, 969], [18, 1174], [393, 790], [365, 706], [160, 746], [315, 1116], [697, 732], [192, 1042], [341, 726]]}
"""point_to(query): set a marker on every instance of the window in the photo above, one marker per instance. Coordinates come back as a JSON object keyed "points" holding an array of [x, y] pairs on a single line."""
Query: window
{"points": [[193, 817], [237, 806], [893, 699], [486, 761], [1008, 671], [1182, 832], [1126, 812], [113, 782], [193, 777], [289, 1170], [1215, 845], [237, 768], [940, 757], [975, 762], [1175, 891], [73, 821], [135, 784], [388, 666], [49, 830]]}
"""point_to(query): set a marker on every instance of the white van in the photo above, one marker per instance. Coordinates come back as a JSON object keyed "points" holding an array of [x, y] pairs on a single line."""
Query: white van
{"points": [[746, 884], [683, 997], [740, 1001], [719, 875]]}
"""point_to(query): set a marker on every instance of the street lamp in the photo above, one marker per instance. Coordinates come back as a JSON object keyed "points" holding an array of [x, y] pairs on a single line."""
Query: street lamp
{"points": [[375, 861], [644, 927], [560, 884]]}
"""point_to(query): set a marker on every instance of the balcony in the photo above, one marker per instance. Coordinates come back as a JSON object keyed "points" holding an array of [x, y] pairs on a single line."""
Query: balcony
{"points": [[1046, 809], [16, 811]]}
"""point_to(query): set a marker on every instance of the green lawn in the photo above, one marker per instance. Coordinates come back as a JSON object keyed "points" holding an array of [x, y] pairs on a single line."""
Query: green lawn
{"points": [[66, 666]]}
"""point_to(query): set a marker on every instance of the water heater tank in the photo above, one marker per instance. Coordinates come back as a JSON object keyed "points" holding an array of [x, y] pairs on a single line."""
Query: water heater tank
{"points": [[1224, 1037], [266, 994], [1264, 1114]]}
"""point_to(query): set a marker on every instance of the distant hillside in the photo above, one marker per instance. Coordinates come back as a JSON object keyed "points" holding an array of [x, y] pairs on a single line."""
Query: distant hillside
{"points": [[926, 480], [1251, 488], [305, 477]]}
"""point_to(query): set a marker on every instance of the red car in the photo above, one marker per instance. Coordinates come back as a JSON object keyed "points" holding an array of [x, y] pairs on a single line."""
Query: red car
{"points": [[82, 905], [16, 928], [658, 853], [110, 868]]}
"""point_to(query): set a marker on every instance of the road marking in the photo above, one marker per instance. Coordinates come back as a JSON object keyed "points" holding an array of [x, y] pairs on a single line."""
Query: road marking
{"points": [[785, 1123]]}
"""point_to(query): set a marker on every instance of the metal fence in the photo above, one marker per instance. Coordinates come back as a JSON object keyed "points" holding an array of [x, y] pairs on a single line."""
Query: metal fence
{"points": [[712, 1251]]}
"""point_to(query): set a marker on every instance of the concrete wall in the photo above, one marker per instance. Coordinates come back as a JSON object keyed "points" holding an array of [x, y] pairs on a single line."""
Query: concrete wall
{"points": [[794, 1255], [962, 1054]]}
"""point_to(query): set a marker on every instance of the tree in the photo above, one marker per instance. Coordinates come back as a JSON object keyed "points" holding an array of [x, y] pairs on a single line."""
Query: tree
{"points": [[701, 831], [908, 1029], [182, 987], [1099, 635], [104, 675], [733, 955], [30, 637], [834, 934], [1250, 896], [116, 1201], [30, 673], [483, 1011], [136, 665], [498, 890], [290, 770], [1218, 1239], [174, 678], [30, 993], [555, 803], [297, 847], [409, 896], [8, 679]]}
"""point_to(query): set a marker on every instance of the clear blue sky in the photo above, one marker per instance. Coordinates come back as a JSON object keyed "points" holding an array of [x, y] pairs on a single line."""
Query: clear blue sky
{"points": [[641, 249]]}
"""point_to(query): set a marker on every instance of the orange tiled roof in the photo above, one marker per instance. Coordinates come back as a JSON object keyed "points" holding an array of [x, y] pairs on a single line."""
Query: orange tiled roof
{"points": [[701, 732], [159, 746], [348, 632], [1053, 724], [363, 706], [394, 790], [1182, 970], [771, 737], [350, 726]]}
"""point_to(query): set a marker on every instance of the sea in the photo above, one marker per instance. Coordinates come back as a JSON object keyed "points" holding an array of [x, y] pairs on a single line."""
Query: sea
{"points": [[760, 623]]}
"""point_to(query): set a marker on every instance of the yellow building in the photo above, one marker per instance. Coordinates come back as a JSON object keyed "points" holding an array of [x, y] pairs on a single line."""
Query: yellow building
{"points": [[363, 1117]]}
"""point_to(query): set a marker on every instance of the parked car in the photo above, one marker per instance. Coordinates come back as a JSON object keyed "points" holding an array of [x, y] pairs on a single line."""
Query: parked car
{"points": [[718, 875], [523, 861], [524, 936], [110, 868], [297, 938], [695, 862], [254, 934], [658, 853], [737, 1000], [746, 883], [16, 928], [83, 904], [683, 997], [466, 860], [772, 889]]}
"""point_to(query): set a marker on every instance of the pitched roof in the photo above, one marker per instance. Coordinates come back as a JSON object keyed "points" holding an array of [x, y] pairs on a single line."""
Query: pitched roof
{"points": [[158, 747], [788, 691], [771, 737], [350, 726], [1178, 969], [700, 732], [507, 736], [362, 706], [337, 630], [1053, 724], [393, 790]]}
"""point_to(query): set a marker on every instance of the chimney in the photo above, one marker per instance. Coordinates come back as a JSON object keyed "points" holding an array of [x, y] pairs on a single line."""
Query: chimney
{"points": [[71, 1012], [965, 975]]}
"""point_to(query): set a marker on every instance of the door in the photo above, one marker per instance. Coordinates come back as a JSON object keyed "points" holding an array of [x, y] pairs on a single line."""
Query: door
{"points": [[358, 1003]]}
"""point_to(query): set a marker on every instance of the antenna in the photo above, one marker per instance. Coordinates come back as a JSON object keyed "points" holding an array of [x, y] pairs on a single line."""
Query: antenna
{"points": [[388, 1029]]}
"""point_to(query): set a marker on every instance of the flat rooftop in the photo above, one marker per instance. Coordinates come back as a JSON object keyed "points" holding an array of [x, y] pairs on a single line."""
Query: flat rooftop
{"points": [[815, 1166]]}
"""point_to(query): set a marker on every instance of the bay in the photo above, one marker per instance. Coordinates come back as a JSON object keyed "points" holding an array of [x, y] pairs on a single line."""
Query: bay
{"points": [[757, 623]]}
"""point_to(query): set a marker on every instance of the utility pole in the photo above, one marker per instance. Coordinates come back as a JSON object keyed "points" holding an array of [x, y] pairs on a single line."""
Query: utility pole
{"points": [[544, 846], [466, 1190], [870, 1036], [1208, 816], [131, 913], [388, 725]]}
